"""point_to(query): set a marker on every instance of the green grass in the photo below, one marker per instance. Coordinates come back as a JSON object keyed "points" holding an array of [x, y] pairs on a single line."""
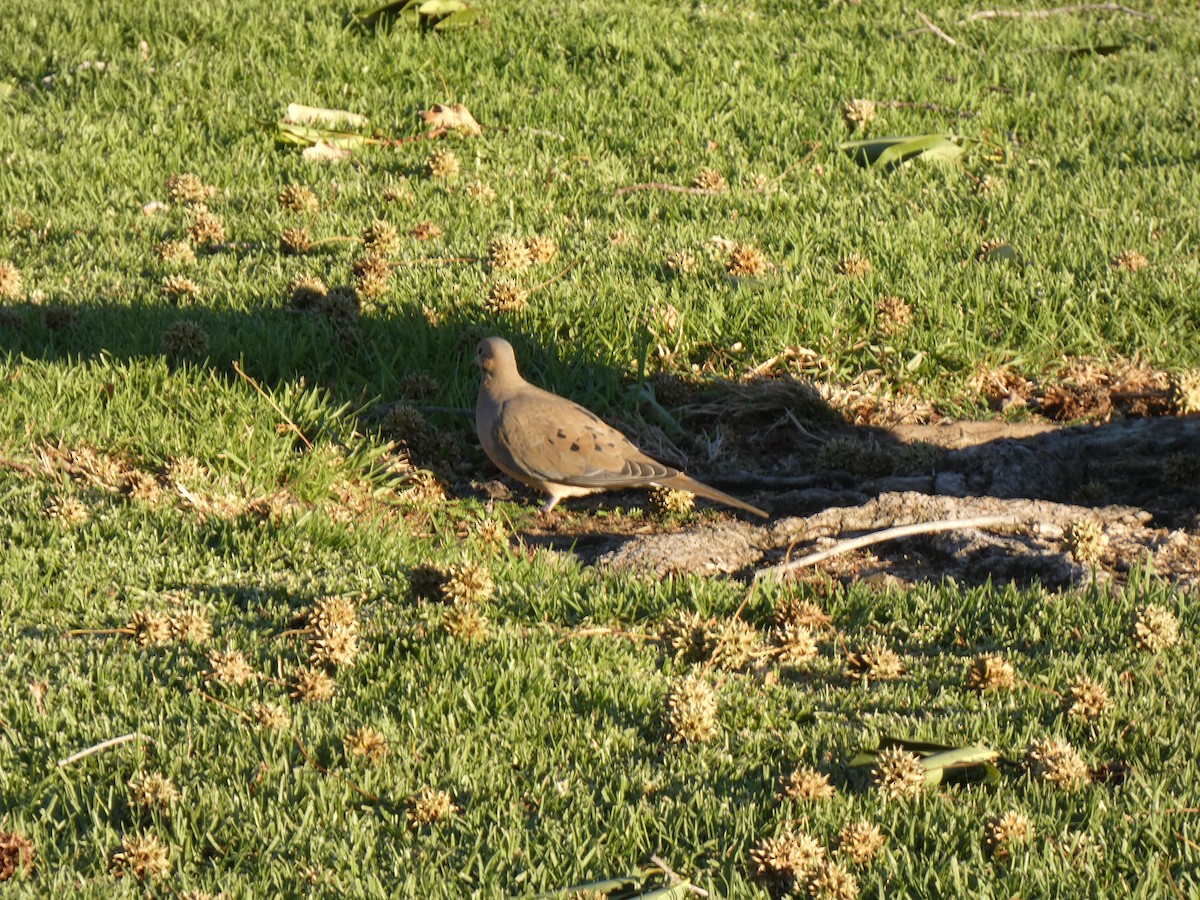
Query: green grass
{"points": [[555, 748]]}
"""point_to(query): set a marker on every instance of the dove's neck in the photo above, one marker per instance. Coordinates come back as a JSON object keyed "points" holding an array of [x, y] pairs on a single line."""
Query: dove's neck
{"points": [[500, 386]]}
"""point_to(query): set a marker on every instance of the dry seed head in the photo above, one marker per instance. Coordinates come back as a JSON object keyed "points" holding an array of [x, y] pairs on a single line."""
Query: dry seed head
{"points": [[746, 260], [1086, 540], [671, 503], [506, 296], [294, 241], [1006, 831], [1129, 261], [1155, 628], [330, 613], [399, 192], [381, 238], [734, 644], [17, 854], [492, 533], [878, 662], [311, 685], [339, 307], [806, 784], [988, 186], [785, 864], [144, 487], [176, 287], [336, 646], [406, 424], [710, 180], [68, 510], [429, 806], [425, 488], [298, 199], [899, 774], [792, 610], [505, 252], [271, 716], [691, 710], [542, 248], [832, 882], [176, 253], [187, 189], [858, 113], [419, 386], [185, 339], [465, 622], [861, 841], [685, 636], [206, 229], [480, 192], [893, 314], [854, 267], [1086, 700], [153, 791], [10, 281], [795, 643], [990, 672], [305, 292], [1185, 390], [372, 275], [150, 628], [467, 582], [368, 743], [427, 231], [442, 163], [229, 666], [143, 856], [681, 262], [987, 248], [758, 183], [1056, 762]]}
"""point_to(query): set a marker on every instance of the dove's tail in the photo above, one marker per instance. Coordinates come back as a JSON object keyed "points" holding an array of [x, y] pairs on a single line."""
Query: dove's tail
{"points": [[683, 482]]}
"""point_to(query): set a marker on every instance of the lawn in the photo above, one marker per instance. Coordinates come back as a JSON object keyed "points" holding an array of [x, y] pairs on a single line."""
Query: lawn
{"points": [[246, 526]]}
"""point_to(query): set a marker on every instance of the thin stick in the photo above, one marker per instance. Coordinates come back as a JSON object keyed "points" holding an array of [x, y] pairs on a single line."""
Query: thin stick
{"points": [[233, 709], [324, 771], [79, 632], [104, 745], [887, 534], [985, 14], [675, 879], [436, 260], [663, 186], [813, 147], [399, 142], [276, 406], [932, 27], [547, 283]]}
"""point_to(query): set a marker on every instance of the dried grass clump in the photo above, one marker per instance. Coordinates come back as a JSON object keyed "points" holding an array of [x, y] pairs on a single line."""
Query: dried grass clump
{"points": [[336, 647], [206, 229], [467, 582], [372, 275], [858, 113], [746, 261], [686, 636], [68, 510], [306, 292], [185, 340], [680, 262], [1155, 628], [466, 622], [10, 281], [153, 791], [150, 628], [542, 248], [298, 199], [990, 672], [832, 882], [311, 685], [786, 864], [861, 841], [507, 253], [442, 163], [794, 643], [1129, 261], [295, 241], [899, 774], [1056, 762], [670, 503], [17, 854], [427, 231], [430, 806], [734, 644], [480, 193], [792, 610], [188, 190], [1086, 540], [381, 238], [893, 314], [1185, 391], [710, 180], [142, 856], [177, 287], [806, 784], [230, 667], [1086, 700], [368, 744], [1003, 833], [854, 267], [691, 715], [506, 296], [271, 716], [179, 253], [878, 662]]}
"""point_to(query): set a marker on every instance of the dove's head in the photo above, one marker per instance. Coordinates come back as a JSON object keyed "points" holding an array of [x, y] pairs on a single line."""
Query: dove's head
{"points": [[496, 359]]}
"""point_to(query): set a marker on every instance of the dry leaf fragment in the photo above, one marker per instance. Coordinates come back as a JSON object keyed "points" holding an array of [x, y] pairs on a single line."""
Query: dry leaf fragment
{"points": [[453, 116], [322, 152]]}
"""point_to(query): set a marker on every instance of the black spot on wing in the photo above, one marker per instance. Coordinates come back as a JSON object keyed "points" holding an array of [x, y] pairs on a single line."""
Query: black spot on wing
{"points": [[574, 447]]}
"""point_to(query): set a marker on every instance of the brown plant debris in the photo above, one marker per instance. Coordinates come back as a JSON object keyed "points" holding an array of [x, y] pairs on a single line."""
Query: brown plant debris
{"points": [[306, 292], [177, 287], [10, 281], [142, 856], [806, 784], [298, 199], [680, 262], [17, 855], [506, 296], [188, 190], [311, 685], [481, 193], [878, 662], [745, 261], [507, 253], [1086, 700], [381, 238], [990, 672], [465, 622], [336, 646], [229, 666], [451, 116], [206, 229], [735, 643], [1155, 628], [271, 716], [542, 248], [832, 882], [861, 841], [150, 628], [368, 744], [854, 267], [179, 253], [429, 806], [1003, 833], [686, 636], [710, 180], [893, 314], [785, 864], [858, 113], [1129, 261], [186, 340], [899, 774], [671, 503], [153, 790], [1087, 541], [1056, 762], [795, 644], [427, 231], [442, 163]]}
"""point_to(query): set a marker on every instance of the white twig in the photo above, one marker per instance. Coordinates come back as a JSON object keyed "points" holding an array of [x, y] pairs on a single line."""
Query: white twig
{"points": [[932, 27], [104, 745], [675, 879], [878, 537], [1056, 11]]}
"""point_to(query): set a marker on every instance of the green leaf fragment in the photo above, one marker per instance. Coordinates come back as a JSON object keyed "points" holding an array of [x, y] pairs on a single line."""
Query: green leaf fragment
{"points": [[889, 152]]}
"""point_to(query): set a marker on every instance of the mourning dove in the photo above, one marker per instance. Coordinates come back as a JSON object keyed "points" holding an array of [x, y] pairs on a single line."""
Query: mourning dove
{"points": [[558, 447]]}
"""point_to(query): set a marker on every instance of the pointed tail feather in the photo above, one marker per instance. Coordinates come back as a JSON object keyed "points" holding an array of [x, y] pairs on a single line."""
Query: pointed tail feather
{"points": [[683, 482]]}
